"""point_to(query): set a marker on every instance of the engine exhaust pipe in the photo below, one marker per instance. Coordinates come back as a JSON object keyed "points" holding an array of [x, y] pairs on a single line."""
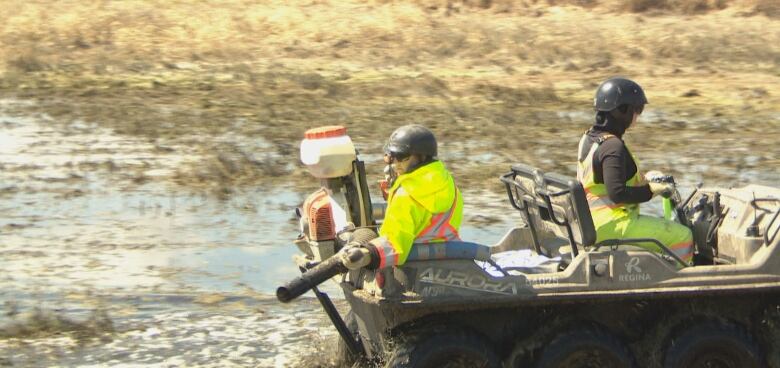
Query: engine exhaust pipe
{"points": [[323, 271], [310, 279]]}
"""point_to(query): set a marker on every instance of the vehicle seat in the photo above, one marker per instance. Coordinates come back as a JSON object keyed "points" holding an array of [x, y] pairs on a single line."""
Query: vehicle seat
{"points": [[554, 203], [559, 203], [449, 250]]}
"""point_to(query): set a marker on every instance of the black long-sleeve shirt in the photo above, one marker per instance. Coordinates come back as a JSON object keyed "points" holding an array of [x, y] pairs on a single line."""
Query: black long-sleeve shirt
{"points": [[613, 166]]}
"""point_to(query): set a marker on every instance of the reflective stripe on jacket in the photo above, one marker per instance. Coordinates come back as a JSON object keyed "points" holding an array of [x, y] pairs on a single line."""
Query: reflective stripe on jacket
{"points": [[423, 206], [602, 209]]}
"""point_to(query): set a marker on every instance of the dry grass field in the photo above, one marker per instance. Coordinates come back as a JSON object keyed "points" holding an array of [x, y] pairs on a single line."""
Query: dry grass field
{"points": [[517, 74]]}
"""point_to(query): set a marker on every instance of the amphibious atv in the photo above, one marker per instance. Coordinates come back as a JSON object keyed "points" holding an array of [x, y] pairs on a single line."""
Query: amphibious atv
{"points": [[547, 294]]}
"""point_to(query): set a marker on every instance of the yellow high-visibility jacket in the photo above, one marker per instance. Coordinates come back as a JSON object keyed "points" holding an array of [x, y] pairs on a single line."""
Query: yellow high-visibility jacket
{"points": [[423, 206], [602, 209]]}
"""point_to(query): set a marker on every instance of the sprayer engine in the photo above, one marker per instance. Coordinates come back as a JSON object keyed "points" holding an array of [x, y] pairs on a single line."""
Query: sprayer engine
{"points": [[318, 217], [321, 218]]}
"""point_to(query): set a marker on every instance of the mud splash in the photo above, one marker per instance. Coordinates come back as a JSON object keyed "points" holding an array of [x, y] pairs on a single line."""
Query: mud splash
{"points": [[168, 330]]}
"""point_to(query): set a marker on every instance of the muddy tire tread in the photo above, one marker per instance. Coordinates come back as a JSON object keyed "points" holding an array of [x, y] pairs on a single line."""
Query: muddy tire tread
{"points": [[681, 343], [411, 351], [563, 342]]}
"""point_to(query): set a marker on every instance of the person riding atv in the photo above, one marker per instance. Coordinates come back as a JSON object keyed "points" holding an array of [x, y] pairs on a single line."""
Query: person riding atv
{"points": [[423, 203], [611, 178]]}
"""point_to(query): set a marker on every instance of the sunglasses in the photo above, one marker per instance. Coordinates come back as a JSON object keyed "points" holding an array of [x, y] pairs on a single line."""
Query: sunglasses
{"points": [[395, 156]]}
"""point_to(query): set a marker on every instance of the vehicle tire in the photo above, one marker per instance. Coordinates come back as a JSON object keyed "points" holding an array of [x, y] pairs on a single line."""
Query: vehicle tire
{"points": [[589, 348], [443, 349], [713, 345], [344, 358]]}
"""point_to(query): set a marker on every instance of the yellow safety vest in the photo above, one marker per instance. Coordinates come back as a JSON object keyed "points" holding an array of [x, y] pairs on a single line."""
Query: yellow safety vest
{"points": [[423, 206], [602, 209]]}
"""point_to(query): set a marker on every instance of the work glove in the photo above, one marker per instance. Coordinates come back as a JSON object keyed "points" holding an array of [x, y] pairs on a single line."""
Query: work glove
{"points": [[663, 189], [654, 175], [355, 256]]}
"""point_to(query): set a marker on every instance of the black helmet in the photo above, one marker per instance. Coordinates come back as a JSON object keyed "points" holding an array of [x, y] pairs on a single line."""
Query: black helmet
{"points": [[411, 140], [616, 92]]}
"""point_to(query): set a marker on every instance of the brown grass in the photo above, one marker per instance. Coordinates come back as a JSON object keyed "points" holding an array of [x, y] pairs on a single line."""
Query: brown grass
{"points": [[141, 36], [171, 71]]}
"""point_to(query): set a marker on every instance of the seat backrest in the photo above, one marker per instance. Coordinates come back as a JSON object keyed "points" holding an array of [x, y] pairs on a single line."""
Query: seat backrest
{"points": [[553, 202]]}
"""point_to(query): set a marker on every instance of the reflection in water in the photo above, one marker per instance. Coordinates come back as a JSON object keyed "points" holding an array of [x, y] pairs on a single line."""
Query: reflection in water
{"points": [[121, 238]]}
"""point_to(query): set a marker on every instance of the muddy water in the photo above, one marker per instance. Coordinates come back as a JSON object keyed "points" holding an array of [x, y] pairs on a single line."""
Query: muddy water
{"points": [[108, 264], [84, 226], [102, 268]]}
